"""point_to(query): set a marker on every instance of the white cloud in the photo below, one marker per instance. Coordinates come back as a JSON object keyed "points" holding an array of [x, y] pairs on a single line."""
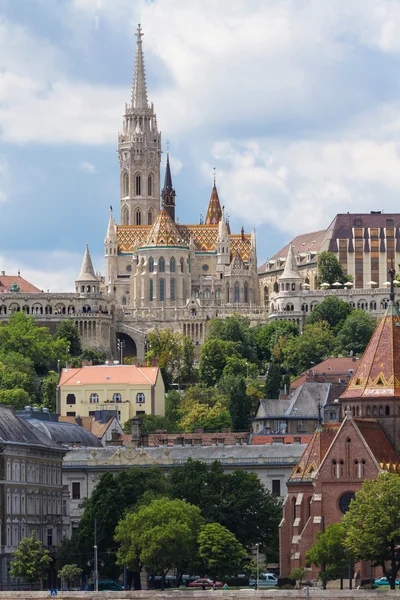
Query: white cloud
{"points": [[88, 167]]}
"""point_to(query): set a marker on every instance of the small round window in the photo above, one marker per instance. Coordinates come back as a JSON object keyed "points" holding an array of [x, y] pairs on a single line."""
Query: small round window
{"points": [[344, 502], [205, 267], [129, 268]]}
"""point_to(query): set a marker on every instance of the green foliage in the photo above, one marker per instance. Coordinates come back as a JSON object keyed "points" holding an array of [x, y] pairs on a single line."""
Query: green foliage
{"points": [[209, 418], [240, 405], [159, 536], [17, 398], [330, 270], [240, 366], [68, 331], [96, 357], [298, 574], [234, 329], [174, 353], [273, 381], [269, 336], [213, 359], [220, 550], [172, 407], [314, 345], [151, 423], [30, 560], [356, 332], [49, 390], [329, 550], [372, 524], [332, 310], [69, 573]]}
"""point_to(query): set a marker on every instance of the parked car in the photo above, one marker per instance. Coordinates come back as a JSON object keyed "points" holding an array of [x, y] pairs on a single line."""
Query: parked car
{"points": [[203, 581], [384, 581], [106, 585], [264, 580]]}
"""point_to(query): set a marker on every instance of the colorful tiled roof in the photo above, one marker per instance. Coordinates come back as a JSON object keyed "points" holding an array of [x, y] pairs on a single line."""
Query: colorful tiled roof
{"points": [[164, 232], [7, 282], [131, 237], [378, 443], [378, 371], [109, 375], [315, 452]]}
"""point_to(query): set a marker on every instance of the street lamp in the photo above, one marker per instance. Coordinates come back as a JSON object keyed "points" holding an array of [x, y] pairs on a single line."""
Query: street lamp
{"points": [[96, 568], [121, 346], [258, 566]]}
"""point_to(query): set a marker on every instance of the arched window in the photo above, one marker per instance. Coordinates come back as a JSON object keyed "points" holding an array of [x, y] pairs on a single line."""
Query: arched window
{"points": [[162, 290], [151, 264], [375, 411], [172, 289], [138, 217], [151, 290], [293, 287], [117, 398], [125, 216], [94, 398], [266, 296], [140, 398], [150, 217], [387, 411], [172, 265], [181, 263], [137, 185], [246, 292], [207, 294], [71, 399], [381, 411], [126, 184], [368, 411], [150, 186], [161, 265], [236, 293], [123, 299], [384, 304], [276, 287]]}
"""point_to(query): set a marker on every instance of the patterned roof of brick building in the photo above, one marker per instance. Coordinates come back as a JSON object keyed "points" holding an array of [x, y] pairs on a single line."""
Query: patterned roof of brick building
{"points": [[314, 454], [378, 371], [7, 281], [378, 443], [214, 212], [164, 232]]}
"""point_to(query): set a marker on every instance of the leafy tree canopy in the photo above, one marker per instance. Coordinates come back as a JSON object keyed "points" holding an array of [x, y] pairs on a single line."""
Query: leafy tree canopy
{"points": [[213, 359], [30, 560], [267, 336], [96, 357], [332, 310], [16, 398], [314, 345], [68, 331], [220, 551], [151, 423], [69, 573], [330, 270], [234, 329], [274, 381], [356, 332], [329, 550], [49, 390], [209, 418], [239, 404], [174, 353], [372, 524]]}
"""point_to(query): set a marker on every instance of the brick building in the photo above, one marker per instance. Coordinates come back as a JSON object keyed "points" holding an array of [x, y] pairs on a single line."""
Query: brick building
{"points": [[340, 456]]}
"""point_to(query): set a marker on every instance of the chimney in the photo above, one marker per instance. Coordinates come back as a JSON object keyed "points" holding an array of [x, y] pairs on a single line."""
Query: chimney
{"points": [[87, 363], [136, 432], [154, 362]]}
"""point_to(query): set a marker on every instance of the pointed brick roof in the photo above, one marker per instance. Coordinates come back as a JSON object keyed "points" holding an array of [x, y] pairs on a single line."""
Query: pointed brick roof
{"points": [[165, 232], [87, 271], [214, 212], [378, 371], [315, 452]]}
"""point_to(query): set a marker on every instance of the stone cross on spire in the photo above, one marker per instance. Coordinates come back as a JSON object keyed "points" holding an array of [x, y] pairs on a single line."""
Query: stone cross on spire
{"points": [[139, 89]]}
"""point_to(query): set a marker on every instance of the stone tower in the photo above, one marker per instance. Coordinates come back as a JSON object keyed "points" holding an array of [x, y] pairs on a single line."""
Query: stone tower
{"points": [[168, 193], [139, 152]]}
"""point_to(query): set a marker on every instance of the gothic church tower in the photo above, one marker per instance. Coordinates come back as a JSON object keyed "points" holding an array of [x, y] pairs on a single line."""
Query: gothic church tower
{"points": [[139, 152]]}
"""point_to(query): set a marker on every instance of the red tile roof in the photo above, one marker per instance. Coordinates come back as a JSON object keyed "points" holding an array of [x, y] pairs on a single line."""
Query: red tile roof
{"points": [[109, 375], [331, 367], [378, 443], [7, 281], [315, 452]]}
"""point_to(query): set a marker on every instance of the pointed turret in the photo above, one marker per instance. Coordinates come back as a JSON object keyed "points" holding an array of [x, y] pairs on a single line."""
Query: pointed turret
{"points": [[87, 271], [111, 235], [291, 271], [253, 248], [168, 193], [214, 212], [139, 89], [223, 243]]}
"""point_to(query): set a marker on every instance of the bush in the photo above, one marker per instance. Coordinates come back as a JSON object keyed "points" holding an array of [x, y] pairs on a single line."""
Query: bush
{"points": [[283, 582]]}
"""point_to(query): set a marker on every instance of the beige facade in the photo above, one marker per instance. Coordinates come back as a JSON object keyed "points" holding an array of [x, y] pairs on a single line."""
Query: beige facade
{"points": [[127, 390]]}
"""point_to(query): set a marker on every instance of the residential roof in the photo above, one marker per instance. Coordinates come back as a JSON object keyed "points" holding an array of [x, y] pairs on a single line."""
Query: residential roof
{"points": [[343, 224], [303, 402], [329, 368], [109, 375], [66, 434], [7, 281], [378, 443], [16, 430], [260, 439], [302, 245], [202, 439]]}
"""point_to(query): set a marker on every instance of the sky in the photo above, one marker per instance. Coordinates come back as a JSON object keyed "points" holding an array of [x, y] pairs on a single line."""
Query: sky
{"points": [[296, 103]]}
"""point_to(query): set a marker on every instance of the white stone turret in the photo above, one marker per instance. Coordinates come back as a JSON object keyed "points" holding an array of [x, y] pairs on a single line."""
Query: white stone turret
{"points": [[111, 252], [139, 152], [87, 282], [223, 243], [290, 280]]}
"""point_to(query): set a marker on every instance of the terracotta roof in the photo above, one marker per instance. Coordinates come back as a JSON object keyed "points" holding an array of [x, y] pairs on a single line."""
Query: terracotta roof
{"points": [[330, 367], [204, 237], [302, 244], [378, 443], [109, 375], [202, 439], [315, 452], [214, 212], [378, 371], [7, 281]]}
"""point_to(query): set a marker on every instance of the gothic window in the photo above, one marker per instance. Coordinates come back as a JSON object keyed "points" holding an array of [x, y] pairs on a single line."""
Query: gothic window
{"points": [[294, 508], [151, 290], [207, 294], [125, 216], [246, 293], [162, 290], [293, 287], [236, 293], [151, 264], [126, 184], [138, 217], [124, 300], [387, 411], [161, 265], [375, 411], [181, 263], [368, 411], [150, 186], [276, 287], [150, 217], [94, 398], [188, 263], [381, 411], [172, 289], [172, 265], [137, 186]]}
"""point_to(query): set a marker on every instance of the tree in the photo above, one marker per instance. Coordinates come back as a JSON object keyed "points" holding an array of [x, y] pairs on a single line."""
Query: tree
{"points": [[330, 270], [273, 381], [220, 550], [69, 574], [17, 398], [234, 329], [150, 424], [372, 524], [159, 536], [356, 332], [240, 405], [68, 331], [186, 369], [329, 553], [30, 560], [240, 366], [49, 390], [213, 359], [96, 357], [209, 418], [298, 574], [332, 310], [314, 345], [267, 336], [172, 407]]}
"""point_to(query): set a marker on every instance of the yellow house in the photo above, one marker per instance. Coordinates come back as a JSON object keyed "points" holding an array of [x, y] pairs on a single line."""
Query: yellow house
{"points": [[128, 389]]}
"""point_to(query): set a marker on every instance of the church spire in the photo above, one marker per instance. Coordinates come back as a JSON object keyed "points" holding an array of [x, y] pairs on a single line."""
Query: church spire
{"points": [[139, 89], [291, 270], [168, 193], [214, 212], [87, 271]]}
